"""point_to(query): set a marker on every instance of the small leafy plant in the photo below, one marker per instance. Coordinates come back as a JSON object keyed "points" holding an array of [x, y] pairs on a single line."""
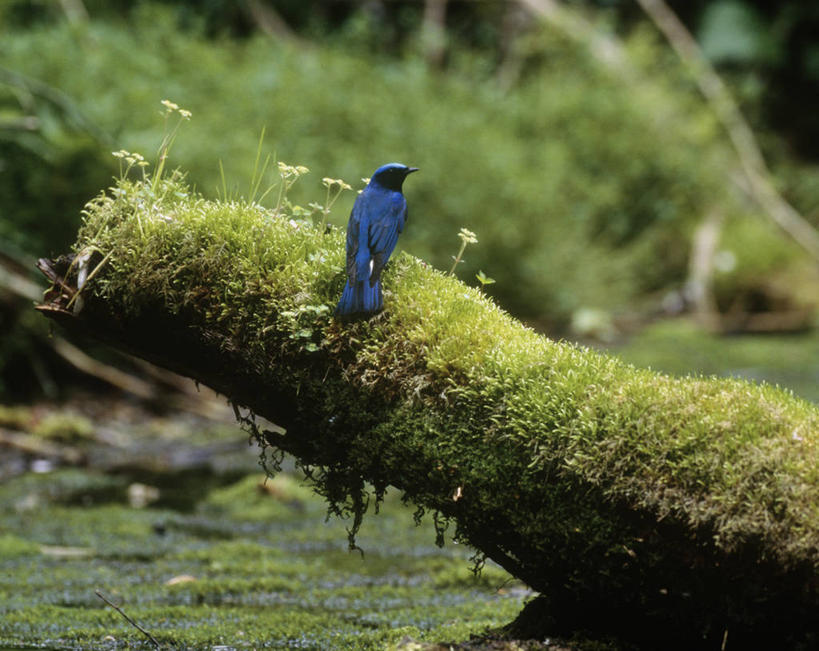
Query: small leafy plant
{"points": [[467, 237], [168, 137], [334, 189], [484, 279], [289, 174]]}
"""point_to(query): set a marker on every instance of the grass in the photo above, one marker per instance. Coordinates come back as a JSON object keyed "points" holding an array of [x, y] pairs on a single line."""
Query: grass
{"points": [[692, 500]]}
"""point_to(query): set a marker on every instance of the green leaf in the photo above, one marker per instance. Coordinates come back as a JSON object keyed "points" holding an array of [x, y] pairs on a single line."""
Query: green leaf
{"points": [[484, 279]]}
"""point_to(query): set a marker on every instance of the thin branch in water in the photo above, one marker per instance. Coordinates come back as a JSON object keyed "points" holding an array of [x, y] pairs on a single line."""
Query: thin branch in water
{"points": [[129, 620]]}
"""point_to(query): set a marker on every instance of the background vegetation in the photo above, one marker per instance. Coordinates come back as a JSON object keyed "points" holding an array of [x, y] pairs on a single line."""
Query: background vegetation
{"points": [[584, 187]]}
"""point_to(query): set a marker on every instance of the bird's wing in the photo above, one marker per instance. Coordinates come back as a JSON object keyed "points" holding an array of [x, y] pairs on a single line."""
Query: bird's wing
{"points": [[353, 228], [383, 234]]}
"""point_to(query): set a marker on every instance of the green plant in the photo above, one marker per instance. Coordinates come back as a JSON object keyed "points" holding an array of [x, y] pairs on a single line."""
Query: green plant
{"points": [[467, 237], [336, 187], [288, 174], [484, 279], [168, 137]]}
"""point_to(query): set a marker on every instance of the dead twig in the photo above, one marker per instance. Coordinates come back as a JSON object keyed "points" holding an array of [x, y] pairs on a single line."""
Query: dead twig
{"points": [[604, 48], [74, 11], [30, 444], [105, 372], [59, 285], [739, 132], [128, 619], [17, 283], [268, 21]]}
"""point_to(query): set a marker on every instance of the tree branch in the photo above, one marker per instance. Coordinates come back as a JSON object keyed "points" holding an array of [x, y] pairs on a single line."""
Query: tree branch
{"points": [[612, 488], [732, 120], [153, 640]]}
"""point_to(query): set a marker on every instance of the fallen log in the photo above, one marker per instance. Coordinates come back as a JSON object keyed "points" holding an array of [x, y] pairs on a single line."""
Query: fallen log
{"points": [[664, 510]]}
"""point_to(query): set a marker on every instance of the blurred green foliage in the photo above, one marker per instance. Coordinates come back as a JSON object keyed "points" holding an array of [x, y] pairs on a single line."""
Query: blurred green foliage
{"points": [[50, 156], [568, 178], [755, 271], [583, 185], [680, 347], [733, 31]]}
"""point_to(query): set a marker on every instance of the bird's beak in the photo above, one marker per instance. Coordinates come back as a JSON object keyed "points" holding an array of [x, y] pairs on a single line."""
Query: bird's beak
{"points": [[410, 170]]}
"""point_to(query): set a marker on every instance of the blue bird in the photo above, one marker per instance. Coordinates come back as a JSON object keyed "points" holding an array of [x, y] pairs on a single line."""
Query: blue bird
{"points": [[377, 218]]}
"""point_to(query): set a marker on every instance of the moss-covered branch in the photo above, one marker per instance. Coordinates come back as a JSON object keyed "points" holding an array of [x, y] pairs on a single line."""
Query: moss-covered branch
{"points": [[631, 500]]}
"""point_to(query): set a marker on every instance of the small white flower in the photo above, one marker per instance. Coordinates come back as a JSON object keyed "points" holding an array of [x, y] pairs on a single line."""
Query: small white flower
{"points": [[468, 236]]}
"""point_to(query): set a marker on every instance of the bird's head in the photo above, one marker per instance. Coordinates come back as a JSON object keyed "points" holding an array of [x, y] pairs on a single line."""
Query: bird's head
{"points": [[391, 175]]}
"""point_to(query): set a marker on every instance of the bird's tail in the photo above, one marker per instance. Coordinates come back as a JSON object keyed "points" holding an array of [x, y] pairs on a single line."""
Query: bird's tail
{"points": [[360, 299]]}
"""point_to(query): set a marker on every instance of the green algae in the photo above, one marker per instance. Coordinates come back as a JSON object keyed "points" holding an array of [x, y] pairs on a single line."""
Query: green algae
{"points": [[280, 579]]}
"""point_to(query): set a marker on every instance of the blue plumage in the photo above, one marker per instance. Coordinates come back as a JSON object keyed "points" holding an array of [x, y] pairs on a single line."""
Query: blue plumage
{"points": [[378, 216]]}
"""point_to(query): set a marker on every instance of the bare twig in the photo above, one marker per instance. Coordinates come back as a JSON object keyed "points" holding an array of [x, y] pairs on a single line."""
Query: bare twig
{"points": [[605, 49], [700, 283], [741, 136], [105, 372], [128, 619], [35, 445], [17, 283], [268, 20], [58, 282], [74, 11], [433, 32]]}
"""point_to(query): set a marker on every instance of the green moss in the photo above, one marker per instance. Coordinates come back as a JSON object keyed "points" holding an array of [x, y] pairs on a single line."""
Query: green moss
{"points": [[19, 418], [585, 476], [260, 498], [286, 582], [64, 426], [11, 547], [66, 487]]}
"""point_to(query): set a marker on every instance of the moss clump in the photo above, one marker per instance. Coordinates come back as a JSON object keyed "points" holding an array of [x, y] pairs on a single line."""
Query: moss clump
{"points": [[13, 547], [259, 499], [64, 426], [649, 503], [19, 418]]}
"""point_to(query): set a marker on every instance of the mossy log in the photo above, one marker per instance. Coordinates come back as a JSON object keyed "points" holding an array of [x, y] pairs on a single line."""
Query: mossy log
{"points": [[667, 510]]}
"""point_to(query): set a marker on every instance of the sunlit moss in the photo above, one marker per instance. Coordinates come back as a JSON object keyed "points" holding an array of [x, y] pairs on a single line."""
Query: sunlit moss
{"points": [[585, 476]]}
